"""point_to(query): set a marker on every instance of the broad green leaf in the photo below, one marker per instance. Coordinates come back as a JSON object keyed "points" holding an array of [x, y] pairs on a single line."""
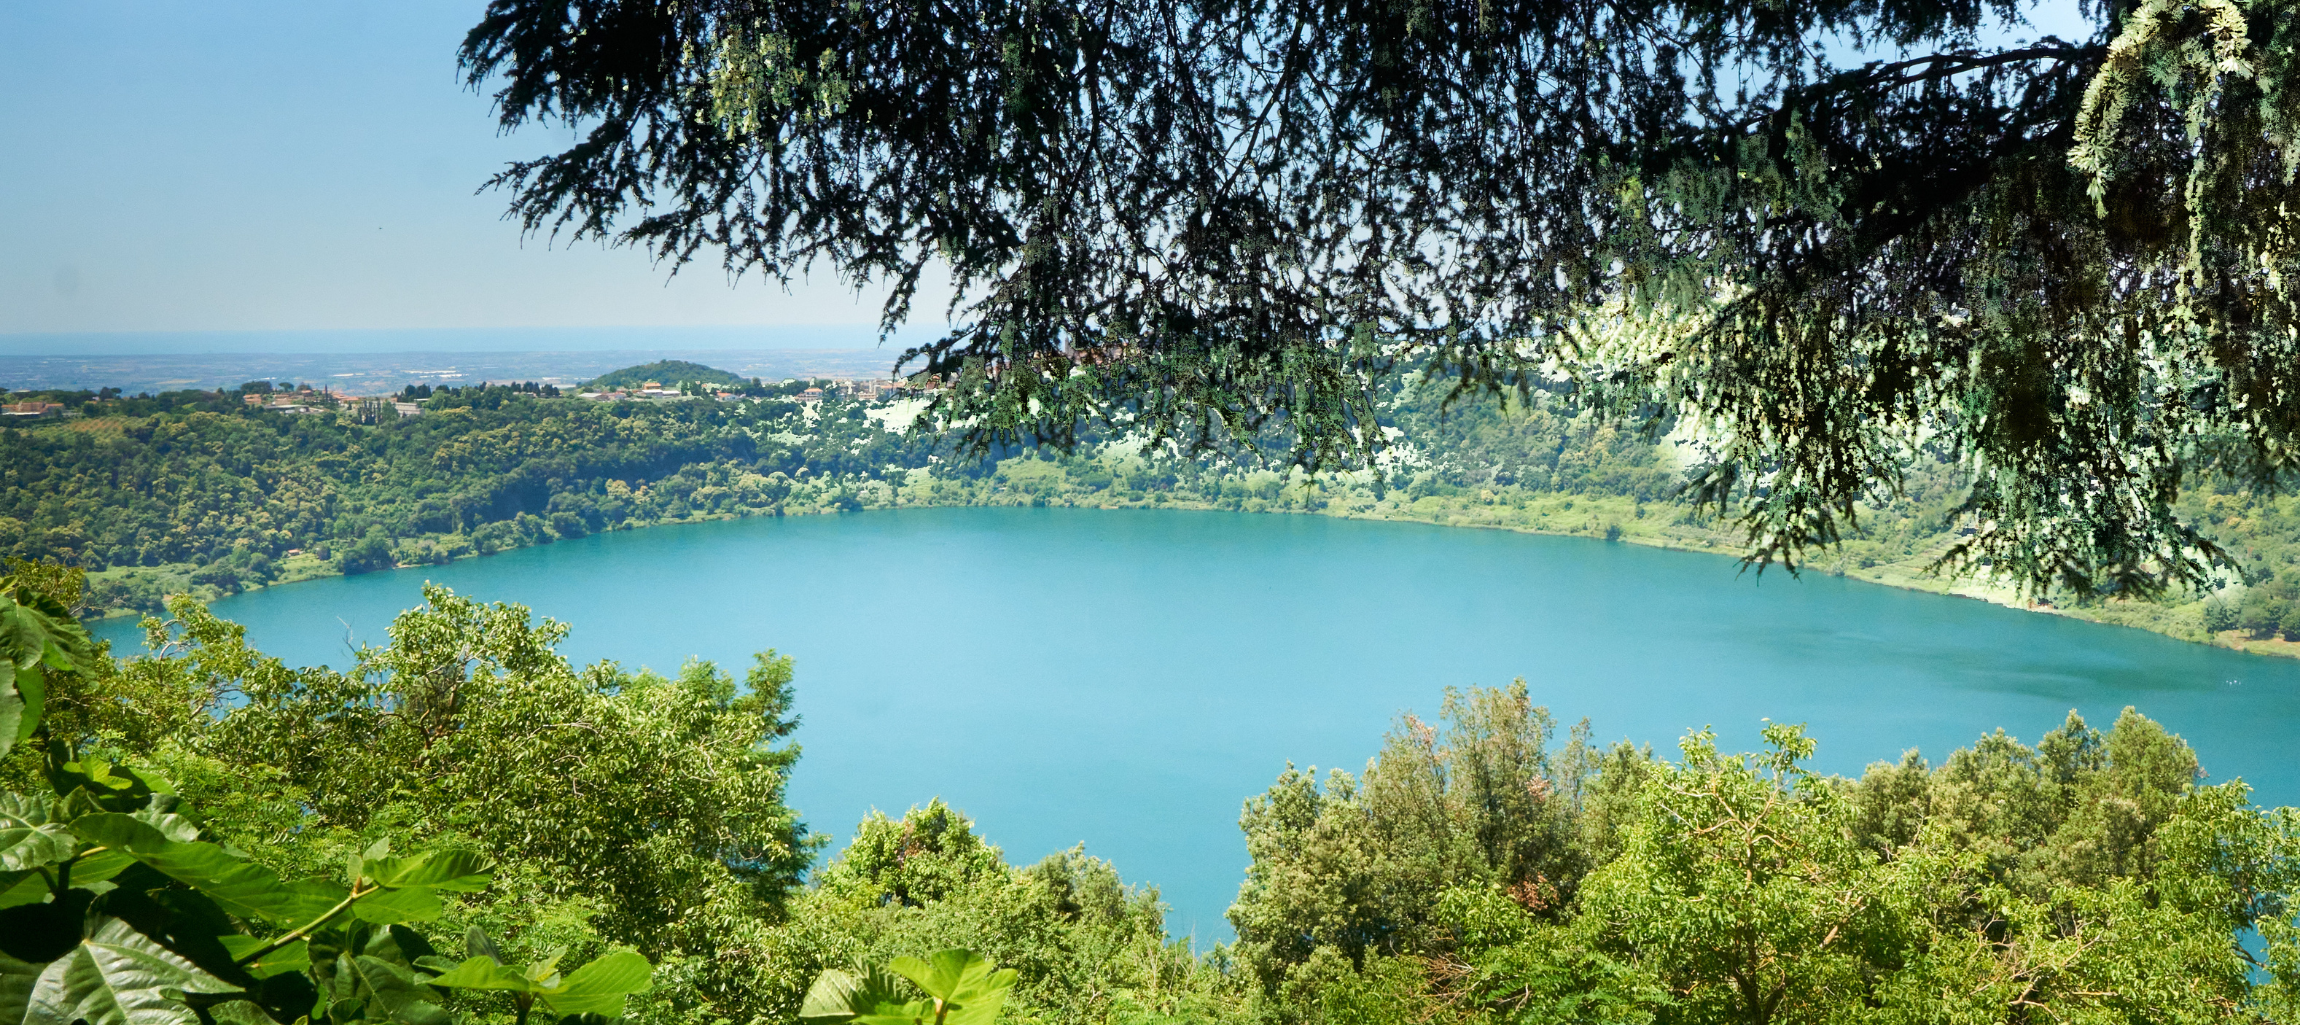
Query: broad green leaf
{"points": [[96, 784], [458, 871], [968, 987], [26, 887], [840, 996], [947, 976], [394, 991], [355, 867], [980, 1005], [240, 886], [171, 825], [919, 1012], [45, 635], [102, 865], [482, 973], [920, 973], [596, 988], [16, 981], [939, 977], [397, 944], [31, 689], [833, 998], [294, 957], [29, 835], [339, 983], [239, 1012], [118, 976], [302, 900], [33, 642], [391, 907], [599, 987], [12, 718], [547, 969]]}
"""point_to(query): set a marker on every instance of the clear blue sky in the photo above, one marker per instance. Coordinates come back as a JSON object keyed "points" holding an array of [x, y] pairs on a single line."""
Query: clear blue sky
{"points": [[235, 165], [270, 165]]}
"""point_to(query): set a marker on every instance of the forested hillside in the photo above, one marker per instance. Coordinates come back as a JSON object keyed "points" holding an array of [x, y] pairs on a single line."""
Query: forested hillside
{"points": [[217, 496], [671, 372], [1480, 870], [207, 495]]}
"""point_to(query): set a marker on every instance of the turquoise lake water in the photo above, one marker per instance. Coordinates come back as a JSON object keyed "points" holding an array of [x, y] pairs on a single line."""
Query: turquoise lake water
{"points": [[1126, 679]]}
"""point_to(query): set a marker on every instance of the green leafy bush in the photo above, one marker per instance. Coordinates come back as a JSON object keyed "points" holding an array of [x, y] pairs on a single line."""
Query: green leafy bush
{"points": [[954, 987], [116, 909]]}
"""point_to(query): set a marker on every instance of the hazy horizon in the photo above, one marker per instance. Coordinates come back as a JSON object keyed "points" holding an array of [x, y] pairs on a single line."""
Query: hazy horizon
{"points": [[594, 338], [251, 166]]}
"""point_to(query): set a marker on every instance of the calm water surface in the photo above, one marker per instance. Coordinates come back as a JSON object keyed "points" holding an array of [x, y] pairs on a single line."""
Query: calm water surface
{"points": [[1126, 679]]}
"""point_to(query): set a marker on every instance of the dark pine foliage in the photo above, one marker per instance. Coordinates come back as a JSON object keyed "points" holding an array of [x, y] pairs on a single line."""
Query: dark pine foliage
{"points": [[2059, 262]]}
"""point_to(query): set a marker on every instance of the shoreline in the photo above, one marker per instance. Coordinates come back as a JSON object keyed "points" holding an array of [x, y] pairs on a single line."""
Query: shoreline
{"points": [[1906, 574]]}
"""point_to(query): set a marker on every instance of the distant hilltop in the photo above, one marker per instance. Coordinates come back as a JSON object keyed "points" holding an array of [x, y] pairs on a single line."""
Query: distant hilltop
{"points": [[669, 372]]}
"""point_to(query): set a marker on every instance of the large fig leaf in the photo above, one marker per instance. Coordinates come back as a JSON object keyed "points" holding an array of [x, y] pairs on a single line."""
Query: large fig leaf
{"points": [[42, 632], [16, 981], [14, 722], [98, 784], [30, 887], [971, 992], [239, 1012], [598, 988], [26, 887], [483, 972], [601, 986], [459, 871], [242, 887], [838, 997], [30, 837], [34, 638], [118, 976], [30, 688], [393, 990], [391, 907], [294, 957]]}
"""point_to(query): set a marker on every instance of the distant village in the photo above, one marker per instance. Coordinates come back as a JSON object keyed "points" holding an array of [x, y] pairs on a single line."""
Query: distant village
{"points": [[305, 400], [862, 390]]}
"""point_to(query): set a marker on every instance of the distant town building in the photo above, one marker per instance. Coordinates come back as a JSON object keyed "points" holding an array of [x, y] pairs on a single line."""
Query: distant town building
{"points": [[811, 396], [371, 409], [32, 410], [407, 409]]}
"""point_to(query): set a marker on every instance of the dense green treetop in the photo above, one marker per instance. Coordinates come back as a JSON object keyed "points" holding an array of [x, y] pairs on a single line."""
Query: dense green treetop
{"points": [[668, 372], [2089, 878], [1825, 234]]}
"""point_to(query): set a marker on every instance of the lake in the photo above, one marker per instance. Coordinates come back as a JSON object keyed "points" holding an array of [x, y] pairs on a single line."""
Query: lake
{"points": [[1126, 679]]}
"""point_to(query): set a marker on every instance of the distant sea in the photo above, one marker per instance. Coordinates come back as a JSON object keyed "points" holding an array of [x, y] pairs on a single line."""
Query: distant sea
{"points": [[376, 361]]}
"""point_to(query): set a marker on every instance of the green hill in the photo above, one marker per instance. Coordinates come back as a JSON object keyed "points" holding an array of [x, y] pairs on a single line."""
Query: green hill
{"points": [[668, 372]]}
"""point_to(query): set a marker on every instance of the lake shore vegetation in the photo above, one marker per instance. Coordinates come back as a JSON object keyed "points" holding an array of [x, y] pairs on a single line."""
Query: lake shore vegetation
{"points": [[208, 495], [1481, 868]]}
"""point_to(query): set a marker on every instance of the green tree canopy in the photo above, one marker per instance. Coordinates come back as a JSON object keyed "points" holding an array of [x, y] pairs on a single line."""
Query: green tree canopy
{"points": [[1832, 234], [619, 807], [668, 372]]}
